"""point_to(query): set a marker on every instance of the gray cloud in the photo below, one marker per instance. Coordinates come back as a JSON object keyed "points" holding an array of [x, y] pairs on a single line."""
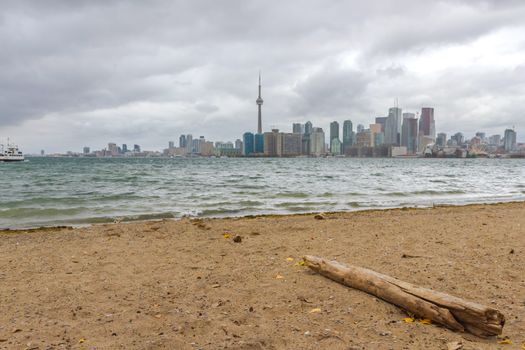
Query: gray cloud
{"points": [[89, 72]]}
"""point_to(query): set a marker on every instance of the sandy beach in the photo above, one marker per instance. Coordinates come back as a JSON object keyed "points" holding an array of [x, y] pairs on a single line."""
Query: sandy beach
{"points": [[187, 284]]}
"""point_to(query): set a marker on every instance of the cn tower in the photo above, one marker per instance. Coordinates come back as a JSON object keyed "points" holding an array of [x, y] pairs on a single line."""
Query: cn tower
{"points": [[259, 102]]}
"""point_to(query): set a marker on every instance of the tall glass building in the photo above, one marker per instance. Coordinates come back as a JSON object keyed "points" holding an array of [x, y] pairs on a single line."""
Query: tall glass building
{"points": [[259, 143], [248, 144]]}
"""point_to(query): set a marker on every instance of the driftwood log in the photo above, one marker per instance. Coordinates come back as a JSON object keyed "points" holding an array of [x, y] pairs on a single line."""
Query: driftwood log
{"points": [[452, 312]]}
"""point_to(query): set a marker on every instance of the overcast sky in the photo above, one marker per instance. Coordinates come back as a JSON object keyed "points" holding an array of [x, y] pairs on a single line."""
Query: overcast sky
{"points": [[85, 73]]}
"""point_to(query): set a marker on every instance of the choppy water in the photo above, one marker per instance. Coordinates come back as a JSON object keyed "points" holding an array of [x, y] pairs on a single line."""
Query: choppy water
{"points": [[58, 191]]}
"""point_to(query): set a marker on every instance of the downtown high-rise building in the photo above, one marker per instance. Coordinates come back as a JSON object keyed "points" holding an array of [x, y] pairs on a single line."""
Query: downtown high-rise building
{"points": [[258, 144], [297, 128], [317, 142], [270, 143], [334, 131], [509, 140], [248, 144], [182, 141], [441, 139], [306, 144], [409, 131], [348, 135], [393, 126], [427, 124], [189, 143], [288, 144]]}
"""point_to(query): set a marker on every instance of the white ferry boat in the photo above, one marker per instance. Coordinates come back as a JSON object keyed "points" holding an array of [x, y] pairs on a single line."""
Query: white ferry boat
{"points": [[10, 153]]}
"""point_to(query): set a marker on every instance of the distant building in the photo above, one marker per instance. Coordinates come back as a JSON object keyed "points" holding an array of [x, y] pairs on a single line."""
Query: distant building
{"points": [[382, 121], [113, 149], [288, 144], [360, 127], [393, 126], [297, 128], [509, 141], [86, 150], [424, 141], [441, 139], [124, 148], [495, 140], [306, 139], [427, 125], [308, 127], [409, 131], [189, 143], [375, 129], [334, 132], [348, 135], [248, 144], [136, 148], [379, 139], [238, 144], [364, 139], [270, 143], [317, 142], [398, 151], [336, 147], [171, 145], [182, 141], [224, 145], [457, 139], [482, 136], [206, 148], [259, 143]]}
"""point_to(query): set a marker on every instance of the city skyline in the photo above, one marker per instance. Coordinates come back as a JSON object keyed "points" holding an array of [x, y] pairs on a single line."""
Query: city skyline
{"points": [[152, 75]]}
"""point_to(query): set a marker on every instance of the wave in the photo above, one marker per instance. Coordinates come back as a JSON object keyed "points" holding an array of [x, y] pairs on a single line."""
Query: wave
{"points": [[424, 192], [41, 212], [292, 195]]}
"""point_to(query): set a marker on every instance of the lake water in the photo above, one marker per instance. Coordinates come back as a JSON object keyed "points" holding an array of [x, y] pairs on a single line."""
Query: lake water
{"points": [[59, 191]]}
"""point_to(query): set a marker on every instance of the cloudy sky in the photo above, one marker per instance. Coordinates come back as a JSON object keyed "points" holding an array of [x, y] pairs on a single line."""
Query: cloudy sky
{"points": [[85, 73]]}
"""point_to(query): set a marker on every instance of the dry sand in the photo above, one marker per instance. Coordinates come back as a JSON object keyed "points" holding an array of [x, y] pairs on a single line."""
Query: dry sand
{"points": [[184, 285]]}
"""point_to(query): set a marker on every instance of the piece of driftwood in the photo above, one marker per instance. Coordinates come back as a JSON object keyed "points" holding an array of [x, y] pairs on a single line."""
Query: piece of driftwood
{"points": [[452, 312]]}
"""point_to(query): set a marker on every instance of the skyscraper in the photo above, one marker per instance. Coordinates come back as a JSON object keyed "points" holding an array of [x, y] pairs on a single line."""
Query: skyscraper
{"points": [[393, 126], [308, 127], [334, 131], [306, 138], [270, 143], [297, 128], [189, 143], [182, 141], [259, 143], [259, 102], [409, 137], [427, 125], [317, 142], [348, 134], [248, 144], [510, 140]]}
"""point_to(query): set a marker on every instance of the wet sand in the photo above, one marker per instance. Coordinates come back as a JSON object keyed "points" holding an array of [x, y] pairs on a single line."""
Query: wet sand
{"points": [[187, 285]]}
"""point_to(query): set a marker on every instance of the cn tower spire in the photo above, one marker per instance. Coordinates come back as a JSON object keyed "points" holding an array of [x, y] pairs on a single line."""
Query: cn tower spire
{"points": [[259, 102]]}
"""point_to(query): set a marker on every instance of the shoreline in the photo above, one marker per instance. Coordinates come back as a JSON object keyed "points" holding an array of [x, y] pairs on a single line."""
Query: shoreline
{"points": [[251, 216], [187, 284]]}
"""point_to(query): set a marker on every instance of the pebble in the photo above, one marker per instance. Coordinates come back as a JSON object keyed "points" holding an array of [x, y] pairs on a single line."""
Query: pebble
{"points": [[237, 239]]}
